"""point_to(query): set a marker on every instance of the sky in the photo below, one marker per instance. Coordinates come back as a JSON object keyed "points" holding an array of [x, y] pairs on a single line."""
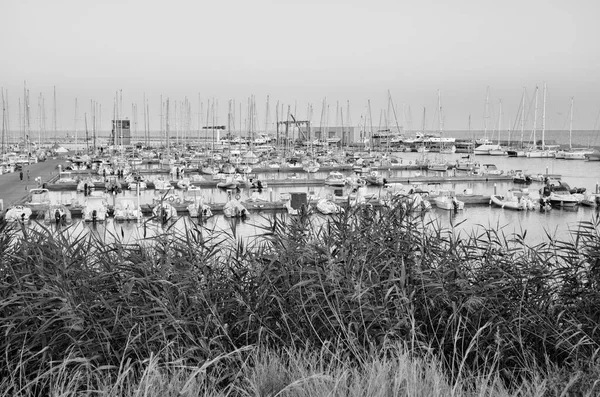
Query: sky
{"points": [[349, 54]]}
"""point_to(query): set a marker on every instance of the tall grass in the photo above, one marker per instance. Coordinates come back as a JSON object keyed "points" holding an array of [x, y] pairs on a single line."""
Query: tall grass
{"points": [[362, 289]]}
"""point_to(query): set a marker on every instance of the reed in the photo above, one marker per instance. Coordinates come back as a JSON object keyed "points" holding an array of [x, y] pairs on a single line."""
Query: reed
{"points": [[346, 295]]}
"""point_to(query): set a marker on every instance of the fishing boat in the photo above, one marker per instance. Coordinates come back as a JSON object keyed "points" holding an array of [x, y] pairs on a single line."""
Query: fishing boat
{"points": [[515, 199], [446, 200], [335, 178], [95, 208], [17, 213]]}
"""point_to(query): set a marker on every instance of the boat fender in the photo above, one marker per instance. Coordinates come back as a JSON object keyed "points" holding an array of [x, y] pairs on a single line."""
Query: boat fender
{"points": [[237, 196]]}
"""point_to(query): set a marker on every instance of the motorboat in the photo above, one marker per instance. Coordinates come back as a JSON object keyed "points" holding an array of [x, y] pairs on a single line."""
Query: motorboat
{"points": [[38, 196], [374, 178], [446, 200], [559, 194], [520, 177], [311, 166], [228, 183], [86, 184], [65, 177], [591, 200], [234, 209], [335, 178], [162, 185], [58, 214], [184, 183], [327, 206], [126, 210], [199, 209], [164, 212], [515, 199], [490, 169], [17, 213], [95, 208]]}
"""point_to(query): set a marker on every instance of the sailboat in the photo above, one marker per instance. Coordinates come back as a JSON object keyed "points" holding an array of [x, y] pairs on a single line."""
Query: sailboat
{"points": [[499, 151], [573, 153], [484, 144], [518, 151], [543, 151], [439, 163]]}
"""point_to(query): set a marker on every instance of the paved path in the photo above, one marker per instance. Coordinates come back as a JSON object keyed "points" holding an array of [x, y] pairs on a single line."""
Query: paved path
{"points": [[13, 190]]}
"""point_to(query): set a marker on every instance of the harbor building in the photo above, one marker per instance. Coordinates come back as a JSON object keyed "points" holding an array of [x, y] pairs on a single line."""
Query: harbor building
{"points": [[120, 133]]}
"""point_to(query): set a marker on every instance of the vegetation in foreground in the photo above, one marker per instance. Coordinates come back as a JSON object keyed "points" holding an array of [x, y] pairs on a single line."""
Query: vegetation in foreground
{"points": [[367, 303]]}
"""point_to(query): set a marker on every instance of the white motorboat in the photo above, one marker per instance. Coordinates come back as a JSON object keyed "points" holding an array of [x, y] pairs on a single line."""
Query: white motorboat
{"points": [[164, 212], [126, 210], [234, 209], [515, 199], [17, 213], [326, 206], [446, 200], [335, 178], [95, 208]]}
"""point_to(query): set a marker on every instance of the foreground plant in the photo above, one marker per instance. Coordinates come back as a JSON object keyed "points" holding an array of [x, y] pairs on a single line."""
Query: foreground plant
{"points": [[483, 306]]}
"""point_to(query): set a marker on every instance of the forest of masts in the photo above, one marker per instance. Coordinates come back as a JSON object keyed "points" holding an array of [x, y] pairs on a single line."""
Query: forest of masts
{"points": [[179, 122]]}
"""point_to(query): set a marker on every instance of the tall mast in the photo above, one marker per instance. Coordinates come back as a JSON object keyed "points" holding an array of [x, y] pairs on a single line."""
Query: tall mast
{"points": [[54, 109], [522, 116], [3, 122], [499, 121], [535, 116], [76, 151], [485, 114], [544, 120], [167, 129], [571, 125], [87, 145]]}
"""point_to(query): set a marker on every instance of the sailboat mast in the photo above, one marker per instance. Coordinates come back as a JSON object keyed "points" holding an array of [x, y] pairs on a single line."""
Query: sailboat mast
{"points": [[499, 121], [3, 122], [485, 114], [54, 109], [544, 120], [571, 126], [522, 116], [87, 145], [535, 116]]}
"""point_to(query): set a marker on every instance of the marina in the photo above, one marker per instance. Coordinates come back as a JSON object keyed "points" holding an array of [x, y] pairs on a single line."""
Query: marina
{"points": [[478, 188]]}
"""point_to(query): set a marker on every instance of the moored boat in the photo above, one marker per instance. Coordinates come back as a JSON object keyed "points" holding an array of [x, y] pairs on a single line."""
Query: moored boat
{"points": [[335, 178], [446, 200]]}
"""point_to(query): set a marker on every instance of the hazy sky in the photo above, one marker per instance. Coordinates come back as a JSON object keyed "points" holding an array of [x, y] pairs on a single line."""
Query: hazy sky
{"points": [[301, 52]]}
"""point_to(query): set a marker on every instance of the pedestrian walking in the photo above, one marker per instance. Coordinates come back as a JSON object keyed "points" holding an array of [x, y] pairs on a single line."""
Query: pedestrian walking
{"points": [[28, 177], [21, 175]]}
